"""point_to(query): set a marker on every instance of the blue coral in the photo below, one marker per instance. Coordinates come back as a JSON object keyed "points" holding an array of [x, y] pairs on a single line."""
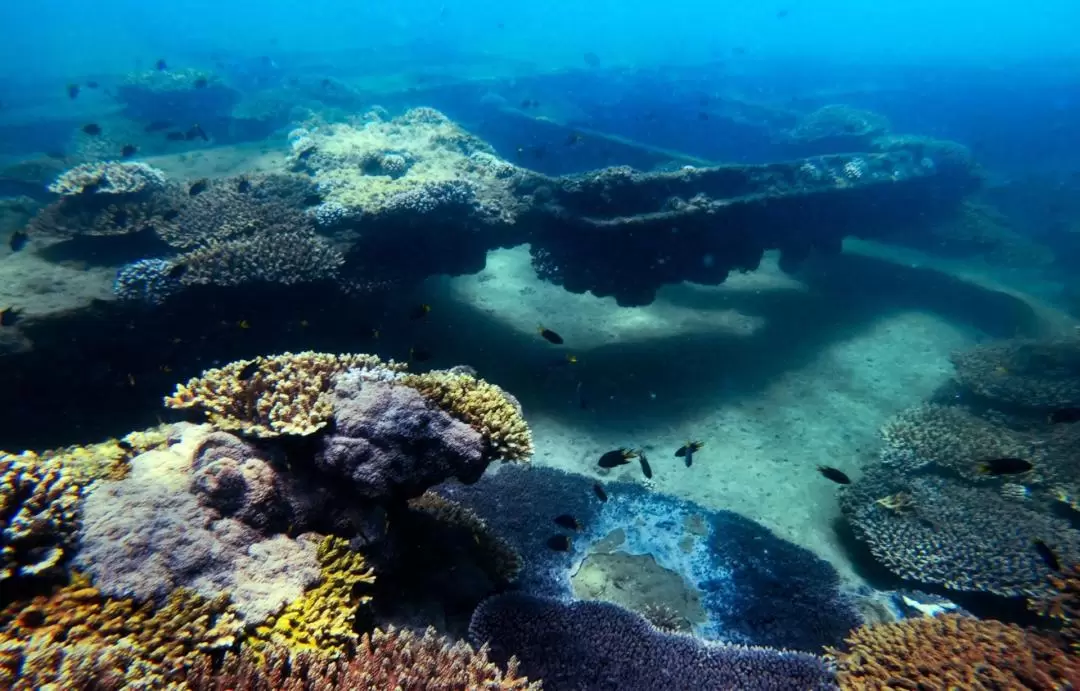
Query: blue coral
{"points": [[598, 645], [146, 280], [757, 589]]}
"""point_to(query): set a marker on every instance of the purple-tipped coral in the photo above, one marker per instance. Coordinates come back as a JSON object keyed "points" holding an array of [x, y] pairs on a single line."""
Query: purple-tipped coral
{"points": [[597, 645]]}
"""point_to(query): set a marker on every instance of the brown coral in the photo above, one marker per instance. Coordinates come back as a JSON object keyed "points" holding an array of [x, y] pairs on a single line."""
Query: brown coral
{"points": [[77, 630], [285, 394], [391, 659], [952, 651], [1061, 602], [39, 507], [322, 620], [483, 406], [505, 562]]}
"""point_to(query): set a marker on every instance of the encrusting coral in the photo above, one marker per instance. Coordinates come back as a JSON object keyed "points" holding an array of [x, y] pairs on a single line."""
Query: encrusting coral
{"points": [[123, 644], [384, 659], [322, 619], [483, 406], [952, 651], [39, 507], [284, 394]]}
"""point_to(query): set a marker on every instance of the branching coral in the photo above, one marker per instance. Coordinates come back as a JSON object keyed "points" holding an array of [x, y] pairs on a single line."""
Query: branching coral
{"points": [[1031, 373], [51, 640], [485, 407], [322, 620], [287, 257], [1061, 602], [39, 510], [963, 537], [390, 659], [109, 178], [952, 651], [284, 394]]}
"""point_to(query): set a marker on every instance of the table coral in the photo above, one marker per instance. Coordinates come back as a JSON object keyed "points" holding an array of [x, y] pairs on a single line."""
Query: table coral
{"points": [[39, 511], [484, 406], [109, 178], [52, 639], [287, 257], [1031, 373], [952, 651], [286, 394]]}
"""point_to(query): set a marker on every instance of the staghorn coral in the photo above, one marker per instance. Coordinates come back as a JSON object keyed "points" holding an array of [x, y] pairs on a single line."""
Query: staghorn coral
{"points": [[963, 537], [108, 178], [286, 394], [287, 257], [321, 620], [485, 407], [76, 631], [505, 562], [1023, 372], [598, 645], [390, 659], [39, 512], [952, 651]]}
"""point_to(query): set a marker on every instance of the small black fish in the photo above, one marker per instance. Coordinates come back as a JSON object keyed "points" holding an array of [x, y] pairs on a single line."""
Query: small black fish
{"points": [[176, 270], [196, 130], [9, 316], [559, 543], [1064, 416], [18, 240], [157, 126], [1004, 466], [835, 475], [201, 83], [688, 450], [244, 186], [591, 59], [170, 215], [249, 370], [197, 187], [92, 85], [73, 91], [702, 116], [598, 489], [550, 336], [420, 354], [527, 103], [125, 445], [93, 129], [175, 136], [567, 521], [419, 312], [128, 151], [646, 469], [781, 14], [615, 458], [160, 65], [1047, 555], [326, 83], [573, 138]]}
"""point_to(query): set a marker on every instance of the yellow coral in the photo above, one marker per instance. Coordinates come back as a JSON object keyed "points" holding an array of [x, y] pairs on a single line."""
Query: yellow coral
{"points": [[483, 406], [284, 394], [323, 618]]}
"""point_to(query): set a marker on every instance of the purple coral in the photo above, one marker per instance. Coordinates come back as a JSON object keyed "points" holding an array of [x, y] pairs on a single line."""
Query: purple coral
{"points": [[390, 443], [598, 645]]}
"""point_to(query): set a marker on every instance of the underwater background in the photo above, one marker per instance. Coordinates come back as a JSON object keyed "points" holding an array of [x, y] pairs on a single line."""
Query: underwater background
{"points": [[609, 345]]}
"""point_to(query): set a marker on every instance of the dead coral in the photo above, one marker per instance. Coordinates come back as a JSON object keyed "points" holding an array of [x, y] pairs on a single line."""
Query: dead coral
{"points": [[284, 394], [39, 511], [77, 625], [391, 659], [1030, 373], [485, 407], [287, 257], [952, 651]]}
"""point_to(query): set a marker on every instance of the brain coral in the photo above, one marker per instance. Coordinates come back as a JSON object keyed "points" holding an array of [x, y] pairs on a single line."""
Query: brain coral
{"points": [[598, 645], [944, 531], [1023, 372], [283, 394], [952, 651]]}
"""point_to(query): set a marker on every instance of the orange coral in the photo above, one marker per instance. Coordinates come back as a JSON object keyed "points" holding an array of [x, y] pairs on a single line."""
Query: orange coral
{"points": [[952, 651], [391, 659]]}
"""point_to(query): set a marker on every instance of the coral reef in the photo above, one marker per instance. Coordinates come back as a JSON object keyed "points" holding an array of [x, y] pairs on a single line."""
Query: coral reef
{"points": [[146, 280], [952, 651], [598, 645], [485, 407], [284, 394], [1023, 372], [109, 178], [390, 659], [286, 257], [504, 560], [960, 536], [39, 512], [839, 121], [321, 620], [148, 534], [60, 641], [1061, 603], [176, 95]]}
